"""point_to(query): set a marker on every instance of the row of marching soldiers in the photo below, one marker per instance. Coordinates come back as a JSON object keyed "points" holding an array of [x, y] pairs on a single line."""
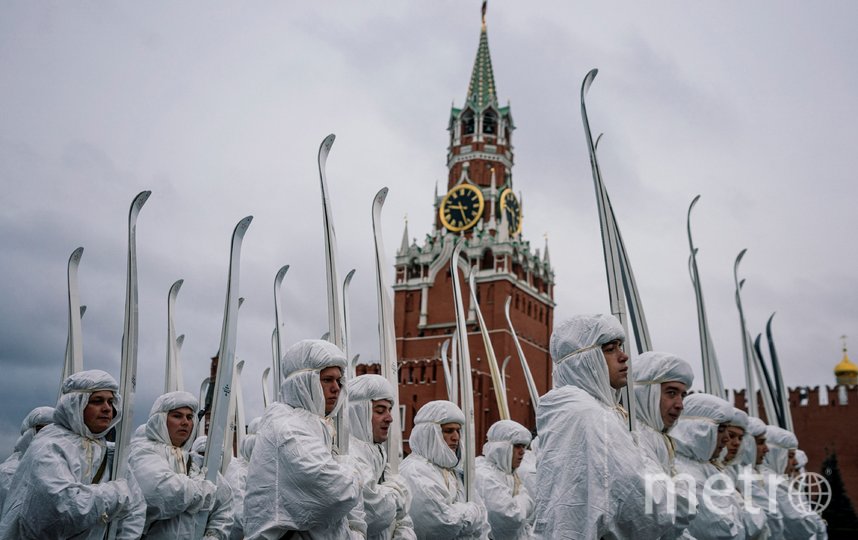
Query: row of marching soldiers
{"points": [[695, 467]]}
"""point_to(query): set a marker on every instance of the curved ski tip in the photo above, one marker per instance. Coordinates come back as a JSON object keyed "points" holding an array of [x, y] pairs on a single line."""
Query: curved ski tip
{"points": [[741, 254], [595, 145], [76, 255], [281, 273], [141, 198], [180, 341], [239, 365], [588, 80], [326, 145], [772, 316], [83, 311], [693, 202], [381, 195], [243, 224], [176, 285], [350, 275], [266, 372]]}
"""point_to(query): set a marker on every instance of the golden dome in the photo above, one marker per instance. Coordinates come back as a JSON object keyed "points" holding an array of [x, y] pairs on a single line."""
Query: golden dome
{"points": [[845, 367]]}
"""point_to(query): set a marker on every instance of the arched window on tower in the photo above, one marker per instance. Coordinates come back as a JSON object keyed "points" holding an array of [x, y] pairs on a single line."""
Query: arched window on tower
{"points": [[490, 123], [468, 123]]}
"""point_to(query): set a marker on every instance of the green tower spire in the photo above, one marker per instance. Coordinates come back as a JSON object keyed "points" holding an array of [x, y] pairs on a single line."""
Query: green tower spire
{"points": [[481, 90]]}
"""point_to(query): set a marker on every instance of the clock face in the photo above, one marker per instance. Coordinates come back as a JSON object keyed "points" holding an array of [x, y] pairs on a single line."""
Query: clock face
{"points": [[510, 206], [461, 208]]}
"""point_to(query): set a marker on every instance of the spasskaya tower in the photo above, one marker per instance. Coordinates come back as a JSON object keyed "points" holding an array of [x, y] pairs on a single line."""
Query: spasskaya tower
{"points": [[480, 203]]}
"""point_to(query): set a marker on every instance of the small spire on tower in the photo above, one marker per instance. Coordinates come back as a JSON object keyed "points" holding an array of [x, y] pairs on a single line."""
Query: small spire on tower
{"points": [[403, 248], [483, 11], [545, 258]]}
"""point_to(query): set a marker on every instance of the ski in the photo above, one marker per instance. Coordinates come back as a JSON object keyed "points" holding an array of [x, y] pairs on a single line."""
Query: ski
{"points": [[747, 352], [768, 389], [180, 341], [712, 380], [277, 338], [783, 396], [528, 375], [266, 397], [335, 322], [346, 322], [448, 377], [497, 380], [74, 343], [236, 419], [386, 332], [468, 435], [335, 313], [219, 420], [204, 388], [504, 364], [611, 251], [172, 374], [128, 370]]}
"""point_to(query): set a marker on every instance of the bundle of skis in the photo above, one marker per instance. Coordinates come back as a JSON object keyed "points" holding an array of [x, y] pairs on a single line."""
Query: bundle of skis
{"points": [[622, 288]]}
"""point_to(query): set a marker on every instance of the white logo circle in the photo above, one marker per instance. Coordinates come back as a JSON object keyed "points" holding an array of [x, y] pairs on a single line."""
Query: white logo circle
{"points": [[810, 492]]}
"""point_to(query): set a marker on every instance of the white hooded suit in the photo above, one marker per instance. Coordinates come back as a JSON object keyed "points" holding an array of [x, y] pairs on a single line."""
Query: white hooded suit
{"points": [[174, 486], [438, 506], [798, 522], [53, 494], [651, 370], [719, 515], [38, 417], [590, 472], [508, 503], [294, 483], [386, 498], [236, 475]]}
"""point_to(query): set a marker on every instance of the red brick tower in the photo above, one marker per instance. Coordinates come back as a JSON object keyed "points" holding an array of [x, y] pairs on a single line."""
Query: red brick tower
{"points": [[481, 206]]}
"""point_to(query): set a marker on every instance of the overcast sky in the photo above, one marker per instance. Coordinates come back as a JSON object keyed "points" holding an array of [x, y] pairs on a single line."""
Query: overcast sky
{"points": [[219, 108]]}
